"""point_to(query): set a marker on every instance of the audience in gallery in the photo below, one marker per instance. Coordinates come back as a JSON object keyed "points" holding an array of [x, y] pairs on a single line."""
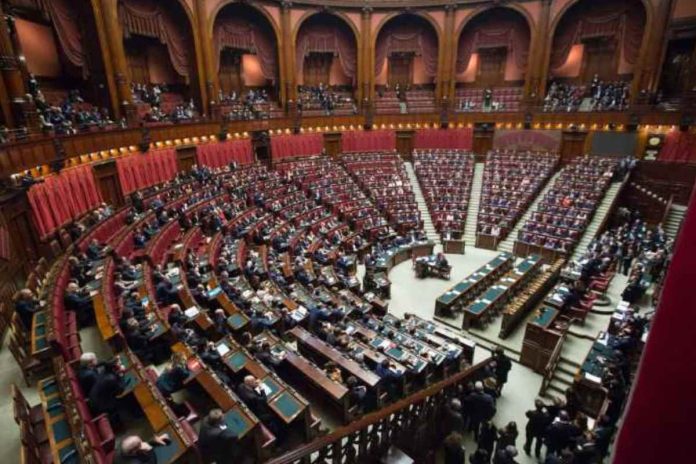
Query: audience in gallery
{"points": [[254, 104], [324, 98], [161, 110], [603, 96], [68, 117]]}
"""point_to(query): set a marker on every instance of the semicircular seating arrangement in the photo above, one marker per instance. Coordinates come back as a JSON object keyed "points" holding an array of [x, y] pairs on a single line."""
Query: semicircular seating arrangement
{"points": [[238, 274]]}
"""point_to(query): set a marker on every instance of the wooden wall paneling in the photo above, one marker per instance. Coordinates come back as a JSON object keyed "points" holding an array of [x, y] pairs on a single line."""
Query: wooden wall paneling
{"points": [[185, 157], [404, 143], [666, 179], [332, 143], [572, 145], [16, 216], [483, 138], [106, 176]]}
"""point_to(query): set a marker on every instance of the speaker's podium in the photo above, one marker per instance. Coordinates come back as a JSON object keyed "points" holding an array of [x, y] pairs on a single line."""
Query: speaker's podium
{"points": [[455, 247]]}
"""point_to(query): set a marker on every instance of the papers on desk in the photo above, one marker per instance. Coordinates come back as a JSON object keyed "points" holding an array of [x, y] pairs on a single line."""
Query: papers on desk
{"points": [[93, 293], [385, 344], [265, 388], [593, 378], [485, 301], [299, 314], [42, 303], [192, 312], [98, 276], [178, 246], [222, 349], [173, 272]]}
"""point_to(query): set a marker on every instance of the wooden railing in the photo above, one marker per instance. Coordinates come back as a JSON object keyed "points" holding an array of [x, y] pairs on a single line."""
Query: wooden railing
{"points": [[413, 424], [668, 206], [553, 361]]}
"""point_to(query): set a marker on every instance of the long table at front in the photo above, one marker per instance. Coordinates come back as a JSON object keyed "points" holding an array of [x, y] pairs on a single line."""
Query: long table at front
{"points": [[388, 259], [465, 290]]}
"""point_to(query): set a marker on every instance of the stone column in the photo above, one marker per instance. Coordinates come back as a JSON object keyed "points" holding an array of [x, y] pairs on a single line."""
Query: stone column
{"points": [[119, 64], [20, 110]]}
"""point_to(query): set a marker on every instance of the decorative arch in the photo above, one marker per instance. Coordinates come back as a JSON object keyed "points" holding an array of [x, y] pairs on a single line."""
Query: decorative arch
{"points": [[239, 32], [340, 38], [416, 39], [483, 29], [599, 24], [150, 18], [224, 3]]}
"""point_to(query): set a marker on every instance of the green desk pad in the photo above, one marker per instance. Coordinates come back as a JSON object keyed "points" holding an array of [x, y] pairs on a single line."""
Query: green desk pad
{"points": [[40, 317], [237, 422], [237, 361], [124, 360], [54, 406], [41, 343], [50, 387], [168, 452], [287, 405], [61, 430], [547, 314], [68, 455], [274, 386], [40, 330], [477, 308], [396, 353], [130, 380], [236, 321]]}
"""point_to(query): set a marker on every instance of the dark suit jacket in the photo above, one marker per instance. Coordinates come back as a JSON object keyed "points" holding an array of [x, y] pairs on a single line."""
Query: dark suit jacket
{"points": [[217, 444]]}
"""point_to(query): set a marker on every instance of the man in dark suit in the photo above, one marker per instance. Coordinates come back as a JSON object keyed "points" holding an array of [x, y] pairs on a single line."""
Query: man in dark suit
{"points": [[217, 443], [165, 292], [561, 434], [25, 307], [79, 303], [254, 396], [88, 372], [537, 423], [482, 408], [503, 365], [108, 386], [134, 450]]}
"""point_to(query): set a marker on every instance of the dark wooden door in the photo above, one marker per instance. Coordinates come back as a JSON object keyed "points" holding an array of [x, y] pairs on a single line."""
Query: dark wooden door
{"points": [[400, 70], [491, 70], [317, 69], [230, 73], [599, 58]]}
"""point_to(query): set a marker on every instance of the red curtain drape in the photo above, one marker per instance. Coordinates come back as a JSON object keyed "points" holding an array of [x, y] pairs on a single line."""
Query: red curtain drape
{"points": [[407, 37], [240, 33], [461, 139], [510, 33], [63, 197], [378, 140], [658, 424], [287, 146], [215, 155], [679, 147], [327, 38], [623, 20], [66, 24], [143, 170], [150, 18]]}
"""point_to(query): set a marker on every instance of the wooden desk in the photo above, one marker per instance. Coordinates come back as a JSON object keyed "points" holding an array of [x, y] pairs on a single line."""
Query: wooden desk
{"points": [[58, 427], [455, 247], [328, 353]]}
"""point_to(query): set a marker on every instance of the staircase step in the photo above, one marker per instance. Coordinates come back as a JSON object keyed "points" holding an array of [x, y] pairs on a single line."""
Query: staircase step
{"points": [[428, 225]]}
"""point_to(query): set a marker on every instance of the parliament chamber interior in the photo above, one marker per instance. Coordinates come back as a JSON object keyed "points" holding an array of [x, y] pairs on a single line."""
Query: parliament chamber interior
{"points": [[347, 231]]}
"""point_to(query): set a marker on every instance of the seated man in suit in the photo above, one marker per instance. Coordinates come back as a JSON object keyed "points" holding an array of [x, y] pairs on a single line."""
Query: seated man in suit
{"points": [[254, 396], [95, 251], [80, 303], [166, 292], [108, 385], [134, 450], [216, 442], [25, 307]]}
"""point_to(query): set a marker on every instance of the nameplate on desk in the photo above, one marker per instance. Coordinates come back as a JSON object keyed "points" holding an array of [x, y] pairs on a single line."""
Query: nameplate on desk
{"points": [[222, 349]]}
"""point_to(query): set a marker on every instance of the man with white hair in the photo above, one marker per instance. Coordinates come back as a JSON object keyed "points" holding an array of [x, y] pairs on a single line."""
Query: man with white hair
{"points": [[136, 451], [81, 304], [88, 372], [482, 407]]}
